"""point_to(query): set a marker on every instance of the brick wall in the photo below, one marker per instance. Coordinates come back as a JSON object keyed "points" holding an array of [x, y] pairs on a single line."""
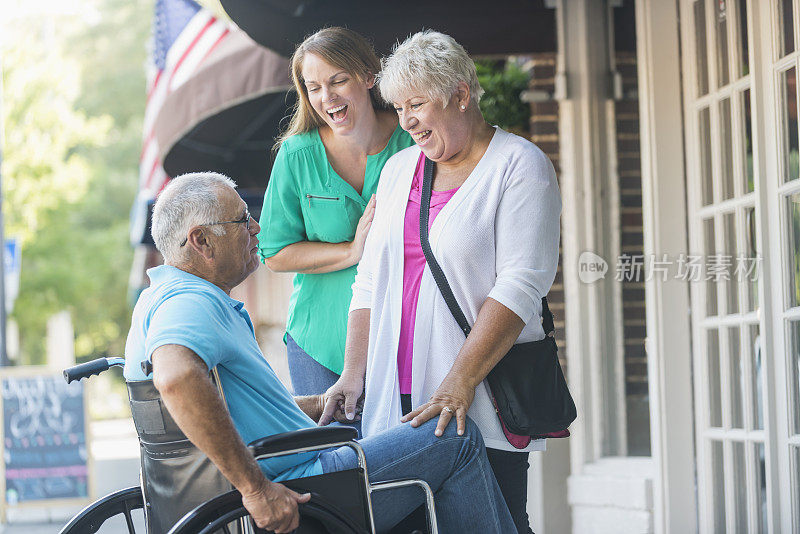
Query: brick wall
{"points": [[544, 133], [632, 241]]}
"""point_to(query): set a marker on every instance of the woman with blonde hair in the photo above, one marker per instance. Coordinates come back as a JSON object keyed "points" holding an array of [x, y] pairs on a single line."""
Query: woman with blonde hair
{"points": [[491, 204], [319, 203]]}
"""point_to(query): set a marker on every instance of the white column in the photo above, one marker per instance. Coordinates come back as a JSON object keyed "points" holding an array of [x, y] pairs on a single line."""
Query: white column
{"points": [[664, 214], [592, 312], [60, 341]]}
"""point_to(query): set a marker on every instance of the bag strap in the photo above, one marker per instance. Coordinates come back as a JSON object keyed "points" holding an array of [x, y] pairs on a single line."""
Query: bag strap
{"points": [[436, 270]]}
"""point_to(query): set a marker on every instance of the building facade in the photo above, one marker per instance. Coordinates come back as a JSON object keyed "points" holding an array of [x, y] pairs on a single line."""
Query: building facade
{"points": [[674, 129], [717, 146]]}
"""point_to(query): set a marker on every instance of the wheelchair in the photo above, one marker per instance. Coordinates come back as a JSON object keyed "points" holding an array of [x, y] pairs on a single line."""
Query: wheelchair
{"points": [[182, 492]]}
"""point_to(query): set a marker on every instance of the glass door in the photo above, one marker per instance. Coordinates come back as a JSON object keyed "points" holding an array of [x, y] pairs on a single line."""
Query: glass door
{"points": [[723, 185], [743, 182], [786, 194]]}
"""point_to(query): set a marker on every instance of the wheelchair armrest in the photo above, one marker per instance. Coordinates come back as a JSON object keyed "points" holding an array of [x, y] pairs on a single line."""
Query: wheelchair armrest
{"points": [[302, 439]]}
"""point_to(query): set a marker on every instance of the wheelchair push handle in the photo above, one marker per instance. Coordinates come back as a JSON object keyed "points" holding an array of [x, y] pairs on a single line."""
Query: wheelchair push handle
{"points": [[94, 367]]}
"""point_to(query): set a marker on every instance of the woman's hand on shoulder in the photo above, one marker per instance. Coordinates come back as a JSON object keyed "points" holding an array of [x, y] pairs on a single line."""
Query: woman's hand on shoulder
{"points": [[362, 230], [451, 399]]}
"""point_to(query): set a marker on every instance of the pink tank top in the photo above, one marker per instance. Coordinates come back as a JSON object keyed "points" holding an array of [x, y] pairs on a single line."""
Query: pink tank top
{"points": [[413, 266]]}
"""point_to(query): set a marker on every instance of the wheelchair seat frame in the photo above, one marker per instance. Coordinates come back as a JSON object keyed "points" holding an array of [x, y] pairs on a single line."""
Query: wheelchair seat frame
{"points": [[215, 514]]}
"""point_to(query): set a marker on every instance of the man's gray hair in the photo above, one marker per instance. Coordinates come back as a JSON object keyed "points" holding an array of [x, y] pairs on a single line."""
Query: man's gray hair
{"points": [[188, 200], [431, 62]]}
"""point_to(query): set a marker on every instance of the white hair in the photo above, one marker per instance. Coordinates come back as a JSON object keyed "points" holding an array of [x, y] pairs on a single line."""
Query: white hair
{"points": [[431, 62], [188, 200]]}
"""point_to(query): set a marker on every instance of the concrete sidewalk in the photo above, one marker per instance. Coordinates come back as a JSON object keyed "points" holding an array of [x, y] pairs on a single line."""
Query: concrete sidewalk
{"points": [[118, 527], [115, 452]]}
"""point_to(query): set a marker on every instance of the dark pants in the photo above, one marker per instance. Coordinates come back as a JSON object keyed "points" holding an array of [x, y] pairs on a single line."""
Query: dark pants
{"points": [[511, 471]]}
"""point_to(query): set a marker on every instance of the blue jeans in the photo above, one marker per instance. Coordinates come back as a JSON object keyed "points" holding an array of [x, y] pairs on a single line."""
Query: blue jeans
{"points": [[309, 377], [511, 472], [467, 496]]}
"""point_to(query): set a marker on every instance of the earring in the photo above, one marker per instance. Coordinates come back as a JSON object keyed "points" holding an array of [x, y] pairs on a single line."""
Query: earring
{"points": [[463, 107]]}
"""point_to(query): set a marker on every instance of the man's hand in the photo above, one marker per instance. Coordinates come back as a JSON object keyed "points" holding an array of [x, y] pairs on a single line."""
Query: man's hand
{"points": [[182, 379], [343, 401], [274, 507]]}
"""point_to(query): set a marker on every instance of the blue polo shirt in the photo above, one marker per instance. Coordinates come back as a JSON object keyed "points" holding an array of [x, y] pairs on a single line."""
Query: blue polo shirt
{"points": [[182, 309]]}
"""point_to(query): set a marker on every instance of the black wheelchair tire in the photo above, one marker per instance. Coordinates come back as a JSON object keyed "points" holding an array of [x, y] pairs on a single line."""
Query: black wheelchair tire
{"points": [[316, 516], [90, 519]]}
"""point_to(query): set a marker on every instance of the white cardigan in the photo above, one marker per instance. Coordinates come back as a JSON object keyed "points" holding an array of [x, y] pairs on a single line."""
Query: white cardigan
{"points": [[497, 237]]}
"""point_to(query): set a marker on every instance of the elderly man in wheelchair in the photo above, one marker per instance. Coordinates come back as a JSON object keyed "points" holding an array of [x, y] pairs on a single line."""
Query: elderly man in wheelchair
{"points": [[218, 389]]}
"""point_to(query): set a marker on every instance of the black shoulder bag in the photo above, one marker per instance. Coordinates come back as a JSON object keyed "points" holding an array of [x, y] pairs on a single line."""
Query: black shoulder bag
{"points": [[528, 388]]}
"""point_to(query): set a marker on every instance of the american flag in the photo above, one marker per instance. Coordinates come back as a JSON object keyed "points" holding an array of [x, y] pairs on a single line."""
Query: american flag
{"points": [[183, 35]]}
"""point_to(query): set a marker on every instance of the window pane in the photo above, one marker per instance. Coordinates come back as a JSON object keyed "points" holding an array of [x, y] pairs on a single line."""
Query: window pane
{"points": [[744, 52], [749, 267], [705, 156], [714, 390], [721, 24], [795, 465], [787, 18], [729, 255], [711, 285], [793, 220], [748, 143], [726, 150], [737, 374], [739, 473], [789, 84], [718, 486], [761, 486], [794, 371], [701, 47], [754, 348]]}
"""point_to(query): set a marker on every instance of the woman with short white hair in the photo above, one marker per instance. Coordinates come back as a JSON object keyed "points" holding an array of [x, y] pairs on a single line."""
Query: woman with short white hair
{"points": [[494, 229]]}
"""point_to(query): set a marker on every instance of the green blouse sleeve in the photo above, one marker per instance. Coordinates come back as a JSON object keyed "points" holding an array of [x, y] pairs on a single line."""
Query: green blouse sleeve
{"points": [[281, 217]]}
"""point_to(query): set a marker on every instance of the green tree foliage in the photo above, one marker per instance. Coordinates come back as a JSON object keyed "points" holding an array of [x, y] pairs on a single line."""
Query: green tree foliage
{"points": [[73, 102], [503, 82]]}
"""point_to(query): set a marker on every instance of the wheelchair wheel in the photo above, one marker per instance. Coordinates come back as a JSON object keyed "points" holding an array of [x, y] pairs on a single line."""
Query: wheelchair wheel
{"points": [[120, 503], [216, 516]]}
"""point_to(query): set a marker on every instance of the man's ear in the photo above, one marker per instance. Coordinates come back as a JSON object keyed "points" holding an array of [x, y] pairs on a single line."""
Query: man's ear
{"points": [[370, 81], [198, 241]]}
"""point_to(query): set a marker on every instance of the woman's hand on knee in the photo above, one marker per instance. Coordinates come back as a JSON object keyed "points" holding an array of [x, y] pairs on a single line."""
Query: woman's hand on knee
{"points": [[452, 399], [344, 401]]}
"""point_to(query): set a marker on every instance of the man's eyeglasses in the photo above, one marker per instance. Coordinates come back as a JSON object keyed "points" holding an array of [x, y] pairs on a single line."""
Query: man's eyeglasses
{"points": [[245, 219]]}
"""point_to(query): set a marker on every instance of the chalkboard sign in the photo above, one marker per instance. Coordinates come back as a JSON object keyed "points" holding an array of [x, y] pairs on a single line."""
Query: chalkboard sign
{"points": [[44, 438]]}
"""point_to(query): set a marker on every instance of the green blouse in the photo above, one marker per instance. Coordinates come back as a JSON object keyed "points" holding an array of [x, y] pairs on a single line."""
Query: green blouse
{"points": [[307, 201]]}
